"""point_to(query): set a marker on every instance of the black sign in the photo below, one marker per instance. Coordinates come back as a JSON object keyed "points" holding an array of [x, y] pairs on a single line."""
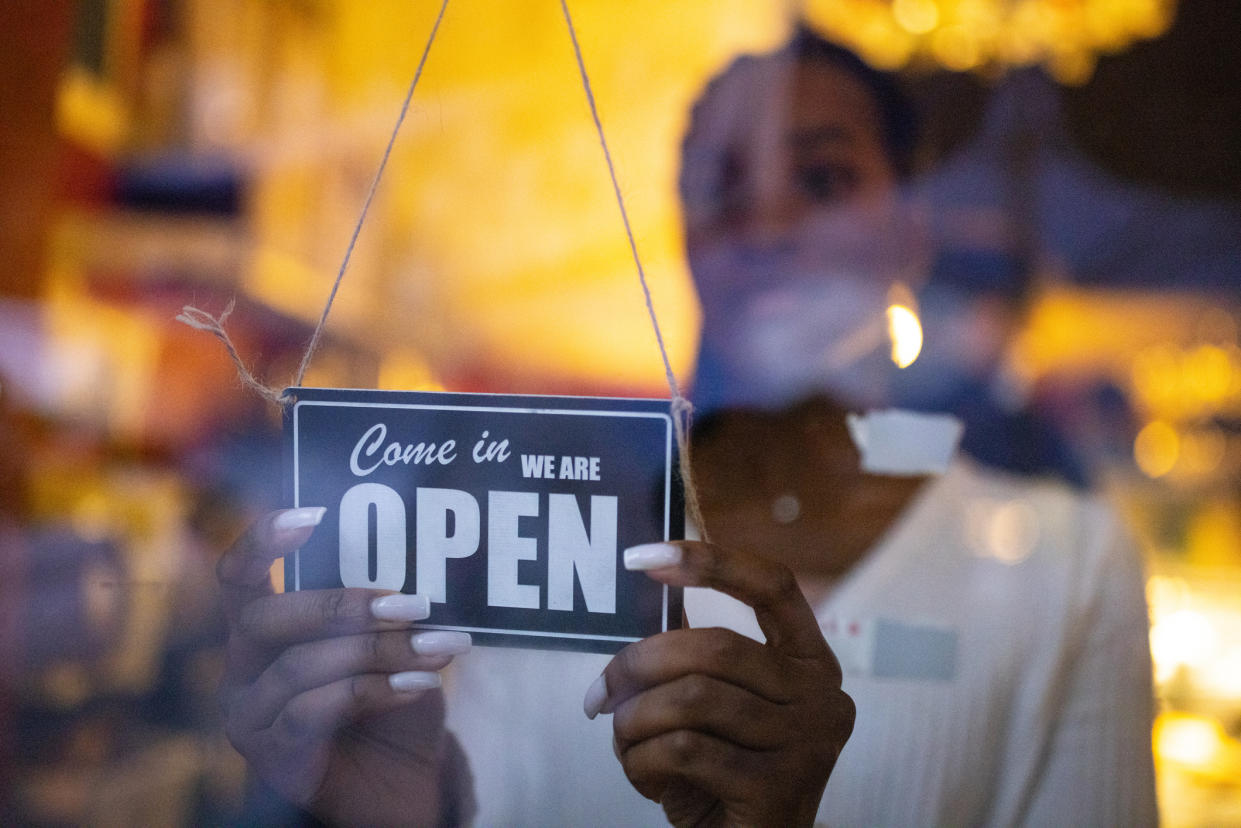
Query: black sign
{"points": [[509, 512]]}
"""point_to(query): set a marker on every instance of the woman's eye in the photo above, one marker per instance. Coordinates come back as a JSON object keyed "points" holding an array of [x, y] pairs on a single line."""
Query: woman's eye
{"points": [[717, 185], [827, 182], [728, 187]]}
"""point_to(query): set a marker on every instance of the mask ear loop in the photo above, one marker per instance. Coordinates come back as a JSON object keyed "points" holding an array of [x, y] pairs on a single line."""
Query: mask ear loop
{"points": [[680, 408]]}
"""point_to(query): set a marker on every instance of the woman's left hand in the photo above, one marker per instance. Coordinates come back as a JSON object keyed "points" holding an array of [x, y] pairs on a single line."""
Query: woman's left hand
{"points": [[718, 728]]}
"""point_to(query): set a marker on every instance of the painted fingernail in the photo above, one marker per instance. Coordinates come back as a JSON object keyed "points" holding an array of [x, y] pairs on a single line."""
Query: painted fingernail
{"points": [[413, 680], [652, 556], [298, 518], [596, 697], [441, 643], [401, 607]]}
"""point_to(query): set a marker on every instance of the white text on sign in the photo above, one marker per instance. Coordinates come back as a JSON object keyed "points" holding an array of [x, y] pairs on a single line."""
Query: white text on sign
{"points": [[571, 468], [570, 547]]}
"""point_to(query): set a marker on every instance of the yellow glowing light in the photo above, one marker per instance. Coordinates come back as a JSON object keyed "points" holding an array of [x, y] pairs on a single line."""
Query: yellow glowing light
{"points": [[1208, 372], [406, 370], [1072, 67], [1203, 450], [1166, 594], [1156, 374], [1213, 532], [91, 112], [1234, 359], [281, 280], [1188, 739], [1184, 638], [956, 48], [1222, 676], [1156, 449], [916, 16], [1067, 36], [906, 333], [92, 519], [885, 47]]}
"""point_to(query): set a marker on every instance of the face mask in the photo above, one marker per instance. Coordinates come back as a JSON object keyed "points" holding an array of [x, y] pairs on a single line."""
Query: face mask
{"points": [[803, 311], [822, 336]]}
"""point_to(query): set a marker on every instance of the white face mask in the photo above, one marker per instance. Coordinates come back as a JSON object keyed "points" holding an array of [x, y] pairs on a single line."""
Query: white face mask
{"points": [[825, 335], [802, 310]]}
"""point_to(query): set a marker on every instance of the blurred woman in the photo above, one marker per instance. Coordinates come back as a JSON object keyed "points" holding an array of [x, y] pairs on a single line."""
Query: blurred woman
{"points": [[991, 629]]}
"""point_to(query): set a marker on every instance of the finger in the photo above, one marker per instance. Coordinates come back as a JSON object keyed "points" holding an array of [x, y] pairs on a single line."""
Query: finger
{"points": [[712, 651], [323, 710], [317, 663], [769, 587], [702, 704], [243, 569], [279, 621], [272, 623], [718, 767]]}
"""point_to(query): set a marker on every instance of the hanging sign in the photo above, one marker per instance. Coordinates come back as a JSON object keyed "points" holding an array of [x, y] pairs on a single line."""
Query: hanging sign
{"points": [[509, 512]]}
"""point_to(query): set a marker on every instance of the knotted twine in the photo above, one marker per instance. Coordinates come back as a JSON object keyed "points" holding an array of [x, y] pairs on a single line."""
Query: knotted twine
{"points": [[680, 408]]}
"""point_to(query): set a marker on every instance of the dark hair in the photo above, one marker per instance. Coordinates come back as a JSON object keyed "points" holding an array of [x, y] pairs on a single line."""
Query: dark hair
{"points": [[898, 120], [897, 116]]}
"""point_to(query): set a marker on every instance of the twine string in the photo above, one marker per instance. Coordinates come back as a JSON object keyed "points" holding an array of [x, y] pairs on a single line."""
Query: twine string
{"points": [[370, 195], [214, 325], [681, 408], [204, 321]]}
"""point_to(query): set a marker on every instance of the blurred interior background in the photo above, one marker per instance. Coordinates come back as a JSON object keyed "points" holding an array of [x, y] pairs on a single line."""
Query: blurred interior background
{"points": [[158, 153]]}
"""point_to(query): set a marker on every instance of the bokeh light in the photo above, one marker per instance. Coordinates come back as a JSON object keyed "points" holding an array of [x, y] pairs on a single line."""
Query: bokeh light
{"points": [[1156, 448], [1065, 35], [905, 331], [1183, 638], [1006, 530], [1187, 739]]}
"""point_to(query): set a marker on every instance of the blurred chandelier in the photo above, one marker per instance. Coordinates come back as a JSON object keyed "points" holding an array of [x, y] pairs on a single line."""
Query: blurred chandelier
{"points": [[1065, 36]]}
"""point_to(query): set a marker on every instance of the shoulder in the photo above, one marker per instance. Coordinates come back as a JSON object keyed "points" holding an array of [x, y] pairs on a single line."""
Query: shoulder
{"points": [[1015, 518], [1063, 549]]}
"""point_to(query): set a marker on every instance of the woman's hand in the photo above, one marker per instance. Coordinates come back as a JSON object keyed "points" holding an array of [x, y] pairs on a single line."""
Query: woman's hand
{"points": [[719, 729], [328, 696]]}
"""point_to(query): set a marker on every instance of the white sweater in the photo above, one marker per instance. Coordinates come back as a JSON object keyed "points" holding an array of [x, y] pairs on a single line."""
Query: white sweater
{"points": [[995, 643]]}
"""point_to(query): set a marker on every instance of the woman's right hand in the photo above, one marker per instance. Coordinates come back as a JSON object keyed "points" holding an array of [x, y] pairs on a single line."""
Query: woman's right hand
{"points": [[332, 701]]}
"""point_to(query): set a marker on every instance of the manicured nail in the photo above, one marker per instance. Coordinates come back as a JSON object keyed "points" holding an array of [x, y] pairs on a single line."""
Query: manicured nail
{"points": [[413, 680], [291, 519], [441, 643], [401, 607], [596, 697], [652, 556]]}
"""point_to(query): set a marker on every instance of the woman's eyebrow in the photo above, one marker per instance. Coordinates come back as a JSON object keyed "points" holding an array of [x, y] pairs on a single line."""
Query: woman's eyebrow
{"points": [[817, 136]]}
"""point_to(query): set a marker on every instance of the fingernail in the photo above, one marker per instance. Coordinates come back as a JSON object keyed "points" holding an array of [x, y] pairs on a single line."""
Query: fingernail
{"points": [[299, 518], [596, 697], [441, 643], [401, 607], [413, 680], [652, 556]]}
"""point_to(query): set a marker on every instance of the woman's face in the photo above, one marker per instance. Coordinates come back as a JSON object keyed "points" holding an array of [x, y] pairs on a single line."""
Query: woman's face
{"points": [[794, 225], [785, 154]]}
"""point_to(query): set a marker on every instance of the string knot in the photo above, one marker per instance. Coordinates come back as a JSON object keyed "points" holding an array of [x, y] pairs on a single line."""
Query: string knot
{"points": [[680, 408], [201, 320], [683, 408]]}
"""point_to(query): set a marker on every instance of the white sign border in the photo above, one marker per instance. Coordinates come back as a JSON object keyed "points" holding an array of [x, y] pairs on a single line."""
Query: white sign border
{"points": [[498, 410]]}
